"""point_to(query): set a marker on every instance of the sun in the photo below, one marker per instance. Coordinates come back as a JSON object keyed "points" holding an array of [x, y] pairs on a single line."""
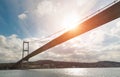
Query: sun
{"points": [[70, 21]]}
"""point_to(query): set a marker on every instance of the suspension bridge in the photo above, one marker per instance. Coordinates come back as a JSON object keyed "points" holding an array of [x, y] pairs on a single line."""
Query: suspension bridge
{"points": [[99, 18]]}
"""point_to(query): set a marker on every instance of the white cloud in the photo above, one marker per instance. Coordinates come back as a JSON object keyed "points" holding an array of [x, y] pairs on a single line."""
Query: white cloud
{"points": [[45, 7], [116, 29], [22, 16], [111, 56], [10, 48]]}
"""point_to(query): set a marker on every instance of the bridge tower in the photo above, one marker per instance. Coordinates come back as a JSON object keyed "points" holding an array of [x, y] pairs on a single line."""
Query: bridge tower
{"points": [[25, 49], [25, 52]]}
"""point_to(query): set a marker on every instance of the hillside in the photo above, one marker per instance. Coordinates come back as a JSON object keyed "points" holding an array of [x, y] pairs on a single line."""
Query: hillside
{"points": [[60, 64]]}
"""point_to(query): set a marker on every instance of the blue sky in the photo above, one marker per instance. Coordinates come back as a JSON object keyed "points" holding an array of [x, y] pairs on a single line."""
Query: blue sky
{"points": [[35, 20], [8, 18]]}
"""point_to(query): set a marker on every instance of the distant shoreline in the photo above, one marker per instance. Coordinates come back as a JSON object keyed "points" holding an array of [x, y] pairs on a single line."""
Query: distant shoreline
{"points": [[45, 64]]}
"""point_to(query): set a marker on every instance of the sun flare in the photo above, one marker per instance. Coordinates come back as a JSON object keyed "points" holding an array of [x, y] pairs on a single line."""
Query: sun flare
{"points": [[70, 21]]}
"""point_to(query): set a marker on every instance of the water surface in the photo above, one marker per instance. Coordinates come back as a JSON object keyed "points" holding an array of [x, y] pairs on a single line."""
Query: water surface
{"points": [[66, 72]]}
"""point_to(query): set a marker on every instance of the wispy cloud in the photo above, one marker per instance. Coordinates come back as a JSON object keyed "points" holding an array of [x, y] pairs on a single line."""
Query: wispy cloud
{"points": [[22, 16]]}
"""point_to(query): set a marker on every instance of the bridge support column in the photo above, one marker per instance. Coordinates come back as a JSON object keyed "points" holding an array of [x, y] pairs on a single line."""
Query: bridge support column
{"points": [[24, 53]]}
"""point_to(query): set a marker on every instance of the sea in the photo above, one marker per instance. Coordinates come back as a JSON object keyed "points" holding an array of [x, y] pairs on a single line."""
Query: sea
{"points": [[63, 72]]}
